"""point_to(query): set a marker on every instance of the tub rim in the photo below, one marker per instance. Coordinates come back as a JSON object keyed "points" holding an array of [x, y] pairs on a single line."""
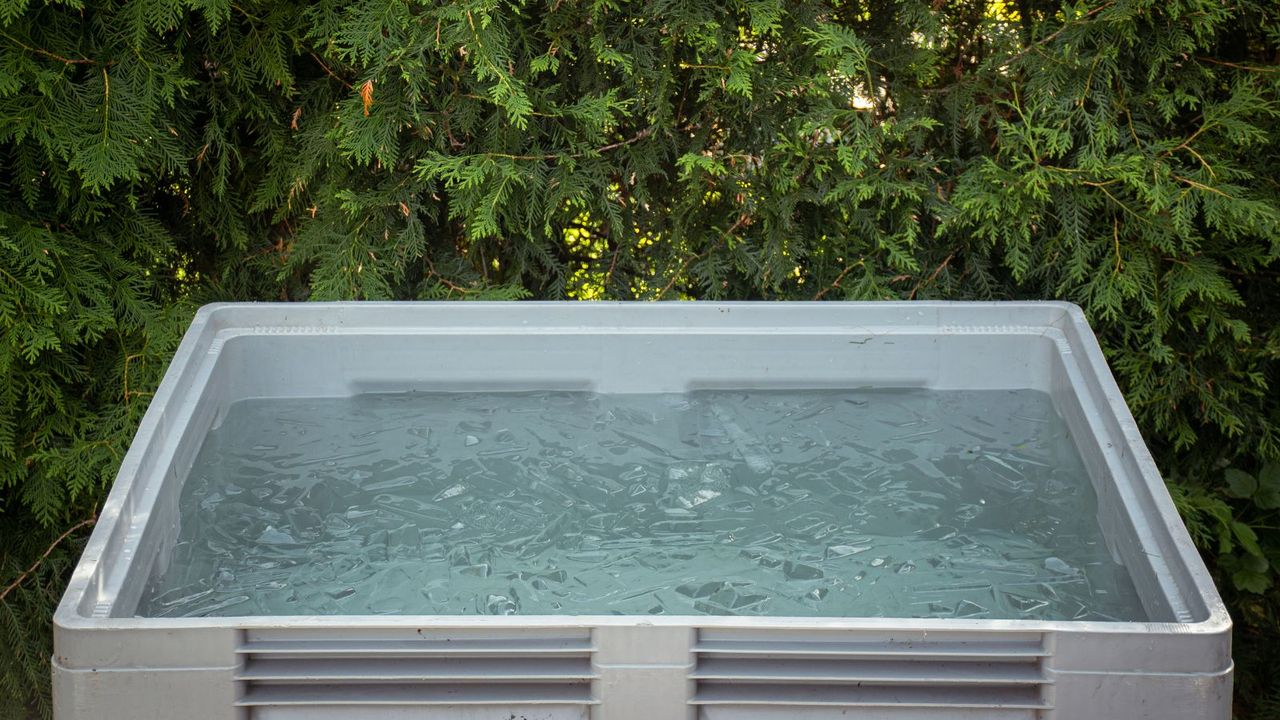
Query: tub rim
{"points": [[212, 318]]}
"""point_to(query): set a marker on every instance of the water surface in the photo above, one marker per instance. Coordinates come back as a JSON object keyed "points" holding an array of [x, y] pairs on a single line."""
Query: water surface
{"points": [[872, 503]]}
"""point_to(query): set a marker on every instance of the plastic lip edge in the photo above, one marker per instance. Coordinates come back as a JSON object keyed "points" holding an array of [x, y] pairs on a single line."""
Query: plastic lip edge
{"points": [[209, 320]]}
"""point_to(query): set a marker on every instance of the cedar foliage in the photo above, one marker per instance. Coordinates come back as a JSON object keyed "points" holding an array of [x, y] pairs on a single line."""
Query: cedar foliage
{"points": [[1121, 154]]}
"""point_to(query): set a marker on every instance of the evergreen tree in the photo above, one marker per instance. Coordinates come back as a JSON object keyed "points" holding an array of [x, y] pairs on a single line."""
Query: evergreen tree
{"points": [[157, 154]]}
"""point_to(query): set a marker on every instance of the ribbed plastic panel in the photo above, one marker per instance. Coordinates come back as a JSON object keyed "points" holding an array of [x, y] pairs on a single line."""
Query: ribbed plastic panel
{"points": [[435, 675], [745, 675]]}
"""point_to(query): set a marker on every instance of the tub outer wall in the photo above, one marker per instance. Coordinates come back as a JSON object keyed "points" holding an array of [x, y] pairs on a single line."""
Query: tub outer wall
{"points": [[108, 664]]}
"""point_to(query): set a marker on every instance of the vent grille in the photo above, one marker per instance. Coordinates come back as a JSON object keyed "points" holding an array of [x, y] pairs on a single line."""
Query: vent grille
{"points": [[756, 674], [281, 673]]}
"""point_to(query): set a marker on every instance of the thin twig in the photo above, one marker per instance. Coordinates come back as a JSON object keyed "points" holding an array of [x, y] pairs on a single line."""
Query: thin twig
{"points": [[608, 275], [933, 276], [1187, 143], [45, 555], [554, 156], [127, 360], [1116, 200], [1206, 165], [106, 104], [46, 53], [743, 219], [1201, 186], [636, 138], [676, 275], [1115, 234], [431, 269], [1051, 36], [329, 72], [1250, 68], [836, 284]]}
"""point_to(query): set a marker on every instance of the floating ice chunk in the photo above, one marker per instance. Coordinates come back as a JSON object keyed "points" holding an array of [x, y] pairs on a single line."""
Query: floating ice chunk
{"points": [[500, 605], [451, 491], [390, 483], [635, 474], [272, 536], [303, 520], [472, 440], [714, 473], [800, 571], [405, 537], [163, 601], [698, 498], [1025, 604], [700, 590], [477, 570], [746, 445], [1059, 566], [215, 608]]}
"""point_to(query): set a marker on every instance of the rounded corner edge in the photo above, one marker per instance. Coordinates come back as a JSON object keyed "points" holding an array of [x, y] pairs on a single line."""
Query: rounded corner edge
{"points": [[66, 618], [1071, 309], [1218, 622], [207, 311]]}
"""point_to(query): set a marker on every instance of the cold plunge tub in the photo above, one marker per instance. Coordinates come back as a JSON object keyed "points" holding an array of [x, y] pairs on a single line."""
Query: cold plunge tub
{"points": [[541, 510]]}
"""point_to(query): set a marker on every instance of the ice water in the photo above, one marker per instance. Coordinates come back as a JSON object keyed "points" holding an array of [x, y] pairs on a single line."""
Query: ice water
{"points": [[845, 503]]}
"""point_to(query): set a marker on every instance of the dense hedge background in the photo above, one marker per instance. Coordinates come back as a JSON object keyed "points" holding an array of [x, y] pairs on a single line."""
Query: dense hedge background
{"points": [[158, 154]]}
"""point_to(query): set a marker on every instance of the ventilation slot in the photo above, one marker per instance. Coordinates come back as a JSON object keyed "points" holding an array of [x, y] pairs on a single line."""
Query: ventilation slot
{"points": [[745, 675], [432, 676]]}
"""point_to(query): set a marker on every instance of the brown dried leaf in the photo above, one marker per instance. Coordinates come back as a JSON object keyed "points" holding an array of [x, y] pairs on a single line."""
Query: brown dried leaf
{"points": [[366, 94]]}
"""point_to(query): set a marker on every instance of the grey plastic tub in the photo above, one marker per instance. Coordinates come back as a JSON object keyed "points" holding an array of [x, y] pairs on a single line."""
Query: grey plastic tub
{"points": [[111, 665]]}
